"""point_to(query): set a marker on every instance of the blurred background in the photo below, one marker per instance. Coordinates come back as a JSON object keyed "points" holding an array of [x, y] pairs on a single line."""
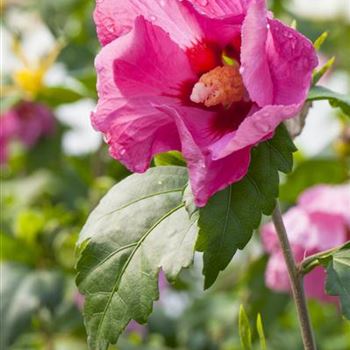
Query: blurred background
{"points": [[55, 168]]}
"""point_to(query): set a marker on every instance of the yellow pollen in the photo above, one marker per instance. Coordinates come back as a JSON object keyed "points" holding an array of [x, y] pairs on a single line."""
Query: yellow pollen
{"points": [[222, 85]]}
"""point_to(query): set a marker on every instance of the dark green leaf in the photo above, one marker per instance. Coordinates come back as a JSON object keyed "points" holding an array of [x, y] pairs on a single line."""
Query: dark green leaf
{"points": [[227, 222], [335, 99], [22, 293], [140, 227], [310, 173], [338, 278]]}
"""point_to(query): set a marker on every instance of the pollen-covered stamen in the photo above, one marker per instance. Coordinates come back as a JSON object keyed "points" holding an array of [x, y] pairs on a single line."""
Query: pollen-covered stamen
{"points": [[221, 85]]}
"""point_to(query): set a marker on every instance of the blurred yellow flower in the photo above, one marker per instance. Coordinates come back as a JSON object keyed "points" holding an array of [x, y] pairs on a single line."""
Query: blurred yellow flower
{"points": [[29, 79]]}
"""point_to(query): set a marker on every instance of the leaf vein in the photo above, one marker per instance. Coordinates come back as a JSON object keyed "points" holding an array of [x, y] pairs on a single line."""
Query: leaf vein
{"points": [[119, 277]]}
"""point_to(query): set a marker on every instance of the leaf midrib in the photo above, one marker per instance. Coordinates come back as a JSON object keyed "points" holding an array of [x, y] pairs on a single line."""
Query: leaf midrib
{"points": [[226, 217], [342, 260], [175, 190], [126, 264], [109, 256]]}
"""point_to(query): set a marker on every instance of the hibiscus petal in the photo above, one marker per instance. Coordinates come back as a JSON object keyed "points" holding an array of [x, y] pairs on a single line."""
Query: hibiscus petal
{"points": [[254, 61], [292, 59], [327, 200], [255, 128], [307, 233], [276, 277], [330, 231], [207, 176], [135, 72], [314, 283], [115, 18], [219, 8], [179, 19], [276, 274], [277, 61], [297, 225]]}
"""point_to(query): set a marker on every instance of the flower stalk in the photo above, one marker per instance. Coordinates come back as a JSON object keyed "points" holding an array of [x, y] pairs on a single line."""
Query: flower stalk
{"points": [[312, 261], [296, 281]]}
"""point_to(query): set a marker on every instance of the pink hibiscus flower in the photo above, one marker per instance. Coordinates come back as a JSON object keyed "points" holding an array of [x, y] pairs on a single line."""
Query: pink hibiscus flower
{"points": [[26, 122], [319, 222], [210, 80]]}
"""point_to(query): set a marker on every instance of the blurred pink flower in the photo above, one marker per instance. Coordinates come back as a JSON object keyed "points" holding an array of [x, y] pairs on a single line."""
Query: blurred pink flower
{"points": [[26, 122], [210, 80], [8, 128], [320, 221], [324, 199]]}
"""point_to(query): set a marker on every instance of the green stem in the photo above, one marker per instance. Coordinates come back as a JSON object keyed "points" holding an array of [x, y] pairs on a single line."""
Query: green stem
{"points": [[312, 261], [296, 281]]}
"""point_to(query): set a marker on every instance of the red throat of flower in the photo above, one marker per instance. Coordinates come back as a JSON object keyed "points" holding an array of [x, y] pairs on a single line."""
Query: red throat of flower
{"points": [[220, 86]]}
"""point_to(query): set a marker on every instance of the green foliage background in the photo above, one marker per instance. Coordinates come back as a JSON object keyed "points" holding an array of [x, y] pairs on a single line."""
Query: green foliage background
{"points": [[46, 196]]}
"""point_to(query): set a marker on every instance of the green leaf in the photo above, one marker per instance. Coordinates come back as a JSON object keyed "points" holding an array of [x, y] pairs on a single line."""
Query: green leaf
{"points": [[245, 332], [338, 278], [57, 95], [319, 73], [15, 250], [227, 222], [335, 99], [28, 225], [294, 24], [261, 333], [139, 227], [169, 158], [320, 40], [310, 173], [24, 191], [23, 292]]}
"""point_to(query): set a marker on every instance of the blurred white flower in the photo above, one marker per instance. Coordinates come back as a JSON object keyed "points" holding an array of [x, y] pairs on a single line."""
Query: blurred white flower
{"points": [[322, 126], [82, 138], [321, 9]]}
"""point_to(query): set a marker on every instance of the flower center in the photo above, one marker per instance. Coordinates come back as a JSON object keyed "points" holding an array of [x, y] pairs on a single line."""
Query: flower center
{"points": [[222, 85]]}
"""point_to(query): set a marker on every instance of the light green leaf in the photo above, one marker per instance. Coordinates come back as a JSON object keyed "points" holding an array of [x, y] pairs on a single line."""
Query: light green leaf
{"points": [[261, 333], [23, 292], [294, 24], [319, 73], [335, 99], [29, 223], [338, 278], [320, 40], [245, 332], [227, 222], [139, 227], [169, 158], [57, 95]]}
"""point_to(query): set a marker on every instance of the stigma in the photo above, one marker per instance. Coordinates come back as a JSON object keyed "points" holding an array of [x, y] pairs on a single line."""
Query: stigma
{"points": [[222, 85]]}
